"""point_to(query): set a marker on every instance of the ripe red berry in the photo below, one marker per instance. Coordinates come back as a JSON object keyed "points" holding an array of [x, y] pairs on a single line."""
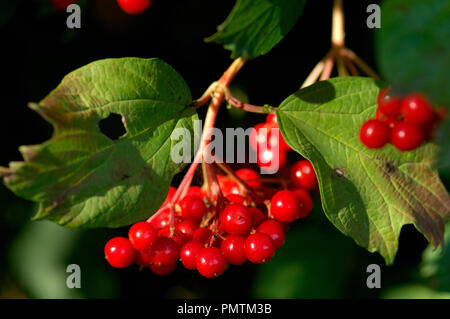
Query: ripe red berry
{"points": [[178, 236], [164, 251], [248, 174], [143, 258], [119, 252], [374, 134], [195, 190], [188, 253], [192, 208], [274, 230], [387, 104], [417, 110], [211, 262], [187, 227], [202, 234], [228, 186], [134, 6], [161, 220], [62, 4], [233, 249], [235, 198], [275, 139], [257, 216], [142, 235], [259, 248], [406, 136], [269, 159], [259, 135], [303, 175], [306, 202], [391, 121], [236, 219], [163, 269], [272, 119], [285, 206]]}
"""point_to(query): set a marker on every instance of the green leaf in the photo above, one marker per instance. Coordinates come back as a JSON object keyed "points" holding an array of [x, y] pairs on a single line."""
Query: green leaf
{"points": [[367, 194], [81, 177], [254, 27], [414, 48]]}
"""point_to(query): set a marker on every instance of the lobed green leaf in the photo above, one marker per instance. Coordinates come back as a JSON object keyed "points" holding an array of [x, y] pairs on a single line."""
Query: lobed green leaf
{"points": [[80, 177], [367, 194]]}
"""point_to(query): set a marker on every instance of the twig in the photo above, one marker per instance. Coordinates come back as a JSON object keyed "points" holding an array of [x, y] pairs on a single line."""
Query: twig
{"points": [[351, 66], [328, 67], [245, 106], [315, 73], [359, 62]]}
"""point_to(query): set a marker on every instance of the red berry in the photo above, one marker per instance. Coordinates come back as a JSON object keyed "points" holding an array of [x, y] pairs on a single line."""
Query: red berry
{"points": [[417, 110], [188, 253], [178, 236], [62, 4], [192, 208], [269, 159], [257, 216], [374, 134], [274, 230], [429, 128], [391, 121], [236, 219], [195, 190], [406, 136], [275, 139], [162, 219], [202, 234], [143, 258], [228, 186], [303, 175], [259, 135], [134, 6], [164, 251], [285, 206], [142, 235], [306, 202], [233, 249], [187, 228], [119, 252], [272, 119], [163, 269], [259, 248], [387, 104], [235, 198], [211, 262], [248, 174]]}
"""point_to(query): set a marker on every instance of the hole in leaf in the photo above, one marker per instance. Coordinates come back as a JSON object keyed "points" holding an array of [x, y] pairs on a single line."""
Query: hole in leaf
{"points": [[112, 126]]}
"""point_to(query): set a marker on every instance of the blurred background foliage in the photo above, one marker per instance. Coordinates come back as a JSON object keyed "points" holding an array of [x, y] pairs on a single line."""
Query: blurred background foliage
{"points": [[316, 261]]}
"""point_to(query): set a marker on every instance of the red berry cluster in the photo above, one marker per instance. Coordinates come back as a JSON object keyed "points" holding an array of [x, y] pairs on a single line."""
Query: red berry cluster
{"points": [[266, 144], [209, 234], [403, 121]]}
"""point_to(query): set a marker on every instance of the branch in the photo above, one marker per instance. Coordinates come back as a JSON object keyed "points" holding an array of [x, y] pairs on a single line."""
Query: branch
{"points": [[244, 106], [359, 62], [338, 26]]}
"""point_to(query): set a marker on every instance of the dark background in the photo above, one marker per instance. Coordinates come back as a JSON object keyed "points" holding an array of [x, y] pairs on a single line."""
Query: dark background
{"points": [[38, 50]]}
